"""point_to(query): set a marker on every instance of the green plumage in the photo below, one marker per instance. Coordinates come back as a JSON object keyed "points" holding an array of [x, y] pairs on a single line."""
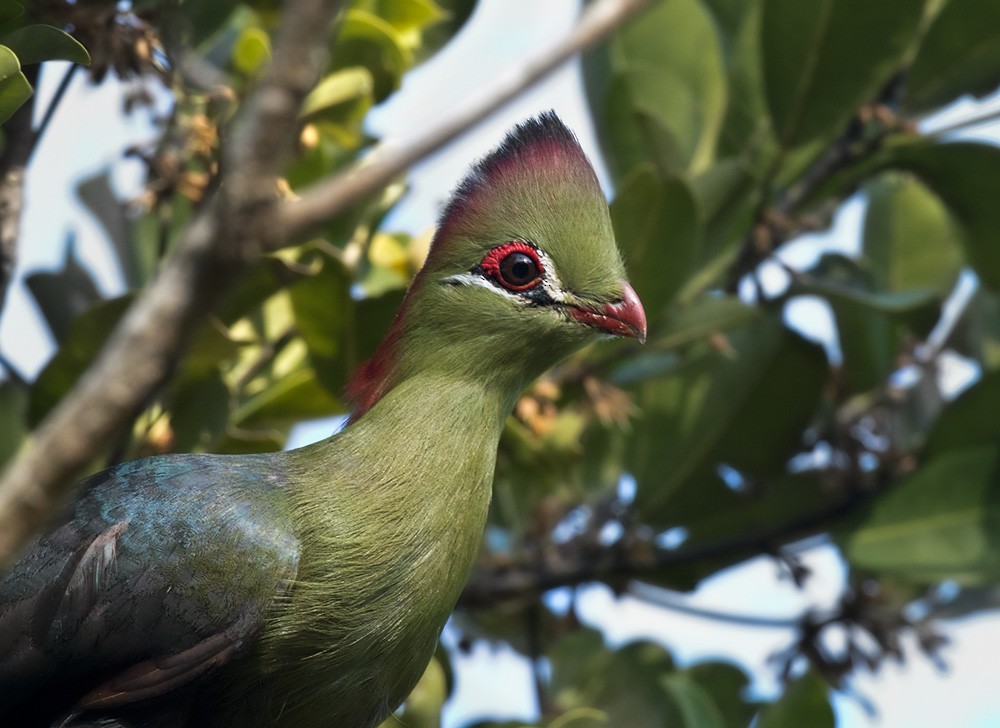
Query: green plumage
{"points": [[309, 588]]}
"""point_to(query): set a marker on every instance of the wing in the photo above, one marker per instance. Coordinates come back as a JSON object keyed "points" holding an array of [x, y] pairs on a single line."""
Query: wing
{"points": [[161, 570]]}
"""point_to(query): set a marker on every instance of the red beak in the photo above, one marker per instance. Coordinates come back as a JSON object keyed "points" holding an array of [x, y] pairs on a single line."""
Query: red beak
{"points": [[622, 318]]}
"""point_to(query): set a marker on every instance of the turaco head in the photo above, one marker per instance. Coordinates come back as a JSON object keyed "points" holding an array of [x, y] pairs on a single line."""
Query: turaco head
{"points": [[522, 271]]}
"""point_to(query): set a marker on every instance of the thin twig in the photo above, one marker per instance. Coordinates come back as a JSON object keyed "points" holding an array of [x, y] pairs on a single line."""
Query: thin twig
{"points": [[216, 246], [389, 159], [664, 598], [50, 110]]}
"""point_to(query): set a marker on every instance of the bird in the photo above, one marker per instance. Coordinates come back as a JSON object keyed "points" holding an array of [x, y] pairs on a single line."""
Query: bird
{"points": [[309, 587]]}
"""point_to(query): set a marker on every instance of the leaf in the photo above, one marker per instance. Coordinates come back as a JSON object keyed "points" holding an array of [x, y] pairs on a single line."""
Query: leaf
{"points": [[959, 54], [14, 87], [823, 59], [909, 239], [657, 228], [941, 522], [63, 295], [654, 96], [296, 396], [367, 40], [13, 406], [970, 420], [137, 262], [804, 703], [199, 413], [38, 43], [694, 704], [340, 87], [85, 339], [726, 684], [964, 176], [718, 407], [251, 50]]}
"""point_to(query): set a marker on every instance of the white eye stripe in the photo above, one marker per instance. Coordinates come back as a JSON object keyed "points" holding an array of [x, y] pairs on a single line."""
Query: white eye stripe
{"points": [[550, 283]]}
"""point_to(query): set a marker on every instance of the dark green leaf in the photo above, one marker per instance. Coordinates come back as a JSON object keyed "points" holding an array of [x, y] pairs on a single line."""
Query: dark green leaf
{"points": [[941, 522], [960, 54], [199, 413], [964, 175], [13, 406], [38, 43], [84, 341], [693, 703], [969, 420], [63, 295], [804, 703], [726, 684], [824, 59], [297, 396], [656, 224], [137, 264], [718, 407], [364, 39]]}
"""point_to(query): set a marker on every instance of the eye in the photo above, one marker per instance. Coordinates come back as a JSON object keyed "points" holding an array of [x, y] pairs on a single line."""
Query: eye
{"points": [[518, 270], [516, 266]]}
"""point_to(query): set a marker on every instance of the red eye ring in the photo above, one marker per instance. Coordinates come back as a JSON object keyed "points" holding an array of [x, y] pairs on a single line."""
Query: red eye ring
{"points": [[516, 266]]}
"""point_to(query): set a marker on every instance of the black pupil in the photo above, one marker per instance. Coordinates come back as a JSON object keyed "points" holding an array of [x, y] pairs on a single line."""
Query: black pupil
{"points": [[518, 269]]}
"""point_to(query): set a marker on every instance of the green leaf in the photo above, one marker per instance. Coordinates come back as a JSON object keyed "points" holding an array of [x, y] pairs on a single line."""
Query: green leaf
{"points": [[970, 420], [340, 87], [718, 407], [665, 98], [941, 522], [804, 703], [367, 40], [296, 396], [909, 239], [38, 43], [137, 261], [823, 59], [726, 684], [14, 87], [63, 295], [406, 15], [964, 176], [199, 413], [746, 124], [657, 227], [81, 347], [959, 54], [324, 314], [13, 406], [251, 50], [694, 704]]}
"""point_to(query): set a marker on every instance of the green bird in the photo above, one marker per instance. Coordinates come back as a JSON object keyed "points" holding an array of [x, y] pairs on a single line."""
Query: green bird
{"points": [[309, 588]]}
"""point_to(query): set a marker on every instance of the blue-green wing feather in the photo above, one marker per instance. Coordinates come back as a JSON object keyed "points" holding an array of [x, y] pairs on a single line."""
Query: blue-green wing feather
{"points": [[161, 570]]}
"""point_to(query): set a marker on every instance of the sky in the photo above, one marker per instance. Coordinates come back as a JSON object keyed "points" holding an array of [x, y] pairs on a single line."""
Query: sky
{"points": [[500, 34]]}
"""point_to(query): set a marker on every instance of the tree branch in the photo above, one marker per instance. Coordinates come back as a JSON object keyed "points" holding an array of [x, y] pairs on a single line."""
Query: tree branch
{"points": [[532, 577], [216, 246], [328, 198]]}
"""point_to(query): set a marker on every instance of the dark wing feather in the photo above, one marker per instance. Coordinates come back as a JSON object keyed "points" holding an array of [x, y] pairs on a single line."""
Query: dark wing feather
{"points": [[162, 570]]}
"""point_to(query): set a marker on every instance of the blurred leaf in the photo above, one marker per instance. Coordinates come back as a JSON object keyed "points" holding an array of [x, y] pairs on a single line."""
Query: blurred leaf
{"points": [[804, 703], [694, 704], [581, 718], [251, 50], [959, 54], [78, 351], [199, 413], [296, 396], [941, 522], [14, 87], [10, 12], [964, 176], [13, 407], [746, 123], [909, 240], [364, 39], [340, 87], [38, 43], [726, 684], [823, 59], [970, 420], [324, 313], [137, 264], [718, 407], [63, 295], [657, 228]]}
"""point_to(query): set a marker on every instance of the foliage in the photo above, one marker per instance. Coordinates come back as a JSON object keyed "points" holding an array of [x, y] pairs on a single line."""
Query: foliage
{"points": [[748, 129]]}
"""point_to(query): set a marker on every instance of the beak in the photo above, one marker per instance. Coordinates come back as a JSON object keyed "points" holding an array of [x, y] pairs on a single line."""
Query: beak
{"points": [[621, 318]]}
